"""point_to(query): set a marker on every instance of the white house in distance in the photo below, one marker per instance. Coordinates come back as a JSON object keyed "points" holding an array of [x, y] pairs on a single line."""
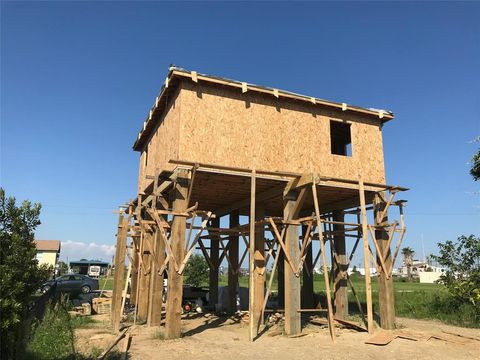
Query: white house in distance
{"points": [[48, 252]]}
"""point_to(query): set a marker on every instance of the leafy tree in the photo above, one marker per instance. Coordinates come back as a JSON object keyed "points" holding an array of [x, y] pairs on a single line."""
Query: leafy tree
{"points": [[20, 276], [196, 271], [475, 170], [462, 262], [408, 253]]}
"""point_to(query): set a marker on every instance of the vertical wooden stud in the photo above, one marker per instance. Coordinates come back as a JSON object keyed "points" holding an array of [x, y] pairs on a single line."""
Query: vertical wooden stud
{"points": [[366, 256], [233, 263], [385, 285], [175, 280], [340, 270], [120, 253], [214, 258]]}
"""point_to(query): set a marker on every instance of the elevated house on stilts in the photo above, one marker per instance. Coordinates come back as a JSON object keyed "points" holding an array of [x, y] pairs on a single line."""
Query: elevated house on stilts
{"points": [[305, 172]]}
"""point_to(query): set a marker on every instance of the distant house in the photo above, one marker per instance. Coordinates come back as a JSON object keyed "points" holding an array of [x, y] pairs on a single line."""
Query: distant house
{"points": [[87, 267], [48, 252]]}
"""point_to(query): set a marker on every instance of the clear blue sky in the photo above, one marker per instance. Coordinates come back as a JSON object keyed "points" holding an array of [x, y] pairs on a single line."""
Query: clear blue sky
{"points": [[78, 78]]}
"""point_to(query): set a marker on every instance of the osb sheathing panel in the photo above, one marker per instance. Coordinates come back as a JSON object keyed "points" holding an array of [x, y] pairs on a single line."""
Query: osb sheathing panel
{"points": [[224, 127], [163, 144]]}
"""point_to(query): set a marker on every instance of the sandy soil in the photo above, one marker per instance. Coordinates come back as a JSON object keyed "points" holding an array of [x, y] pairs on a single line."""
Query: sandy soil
{"points": [[210, 337]]}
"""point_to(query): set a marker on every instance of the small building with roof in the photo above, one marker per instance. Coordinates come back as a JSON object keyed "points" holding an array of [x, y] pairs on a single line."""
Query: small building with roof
{"points": [[48, 252]]}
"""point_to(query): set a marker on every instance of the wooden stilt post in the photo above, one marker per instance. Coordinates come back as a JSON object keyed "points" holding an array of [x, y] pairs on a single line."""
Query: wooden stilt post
{"points": [[307, 286], [385, 284], [366, 257], [175, 280], [156, 283], [214, 257], [232, 268], [331, 325], [135, 265], [281, 279], [119, 271], [340, 270], [291, 205], [252, 300], [144, 283], [259, 270]]}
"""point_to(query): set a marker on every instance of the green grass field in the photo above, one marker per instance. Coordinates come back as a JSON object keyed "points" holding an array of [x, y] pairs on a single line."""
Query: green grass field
{"points": [[412, 299]]}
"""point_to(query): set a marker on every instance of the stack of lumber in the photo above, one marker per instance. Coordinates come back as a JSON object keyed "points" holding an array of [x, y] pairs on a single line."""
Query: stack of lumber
{"points": [[102, 305]]}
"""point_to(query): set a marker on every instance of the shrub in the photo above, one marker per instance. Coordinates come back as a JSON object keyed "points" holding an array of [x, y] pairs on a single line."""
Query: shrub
{"points": [[20, 276], [196, 271]]}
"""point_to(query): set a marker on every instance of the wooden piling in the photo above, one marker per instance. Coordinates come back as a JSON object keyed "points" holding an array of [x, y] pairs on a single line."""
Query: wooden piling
{"points": [[119, 273], [233, 271], [340, 270], [175, 280], [385, 284], [214, 257]]}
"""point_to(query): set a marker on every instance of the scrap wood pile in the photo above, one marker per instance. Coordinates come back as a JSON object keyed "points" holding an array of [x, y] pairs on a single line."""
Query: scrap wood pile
{"points": [[385, 337], [95, 305]]}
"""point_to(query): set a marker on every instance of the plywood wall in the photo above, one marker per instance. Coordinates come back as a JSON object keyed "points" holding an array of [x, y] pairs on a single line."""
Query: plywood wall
{"points": [[222, 126], [163, 144]]}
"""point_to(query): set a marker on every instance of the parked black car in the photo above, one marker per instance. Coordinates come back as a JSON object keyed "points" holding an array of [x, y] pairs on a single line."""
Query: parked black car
{"points": [[72, 283]]}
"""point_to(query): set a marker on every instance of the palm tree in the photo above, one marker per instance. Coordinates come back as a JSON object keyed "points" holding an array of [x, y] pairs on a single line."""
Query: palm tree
{"points": [[408, 253]]}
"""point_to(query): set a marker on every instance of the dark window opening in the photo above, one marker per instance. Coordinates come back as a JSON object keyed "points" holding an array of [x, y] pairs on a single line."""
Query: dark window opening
{"points": [[146, 156], [340, 138]]}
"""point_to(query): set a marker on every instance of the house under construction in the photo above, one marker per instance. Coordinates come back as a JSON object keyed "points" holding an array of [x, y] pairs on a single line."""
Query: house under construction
{"points": [[307, 174]]}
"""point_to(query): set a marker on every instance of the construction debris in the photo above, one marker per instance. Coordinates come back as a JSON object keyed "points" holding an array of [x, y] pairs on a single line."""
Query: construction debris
{"points": [[385, 337]]}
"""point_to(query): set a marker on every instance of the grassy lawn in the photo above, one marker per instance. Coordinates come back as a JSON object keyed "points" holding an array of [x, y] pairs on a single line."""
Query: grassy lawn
{"points": [[105, 283]]}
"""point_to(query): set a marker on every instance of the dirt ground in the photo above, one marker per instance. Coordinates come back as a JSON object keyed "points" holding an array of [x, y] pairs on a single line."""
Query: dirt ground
{"points": [[210, 337]]}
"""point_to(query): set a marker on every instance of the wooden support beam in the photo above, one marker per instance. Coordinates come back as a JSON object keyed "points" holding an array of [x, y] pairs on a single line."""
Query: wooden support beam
{"points": [[175, 280], [385, 282], [134, 275], [259, 268], [144, 283], [366, 261], [264, 196], [156, 283], [293, 202], [331, 325], [307, 286], [252, 332], [233, 272], [120, 254], [214, 258], [340, 268], [281, 278]]}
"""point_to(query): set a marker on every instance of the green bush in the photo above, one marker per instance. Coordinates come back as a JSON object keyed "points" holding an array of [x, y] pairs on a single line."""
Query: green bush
{"points": [[196, 271], [20, 275]]}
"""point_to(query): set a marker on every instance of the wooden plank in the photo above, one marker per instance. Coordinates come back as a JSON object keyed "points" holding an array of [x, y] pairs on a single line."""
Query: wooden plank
{"points": [[264, 196], [366, 261], [292, 280], [386, 293], [259, 270], [252, 300], [324, 264], [214, 258], [120, 254], [144, 283], [234, 264], [340, 268], [175, 280], [382, 338], [156, 283]]}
